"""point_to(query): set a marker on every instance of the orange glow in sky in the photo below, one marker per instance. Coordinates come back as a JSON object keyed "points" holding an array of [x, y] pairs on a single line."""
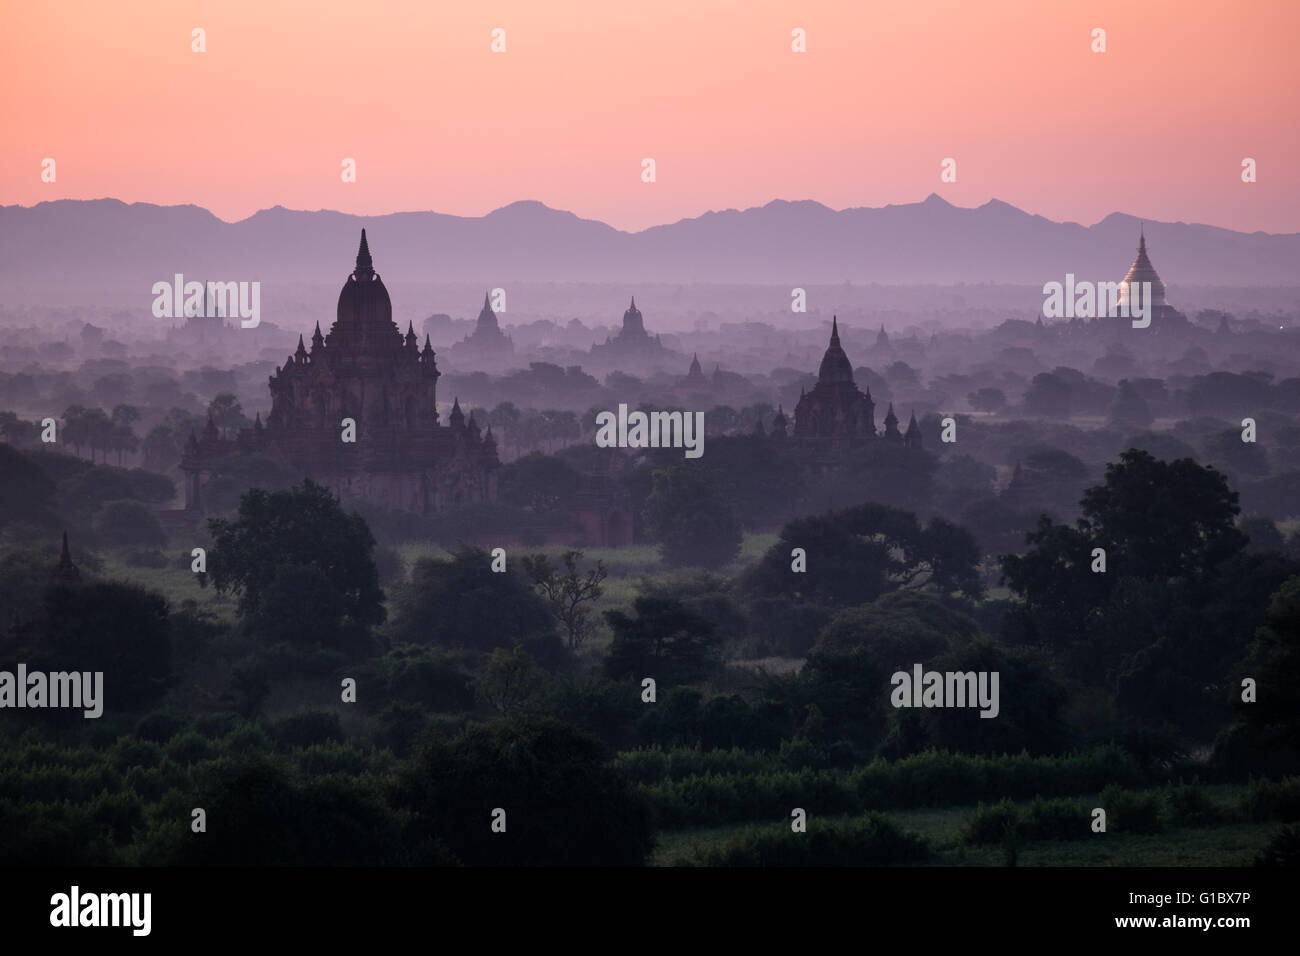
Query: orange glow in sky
{"points": [[1156, 126]]}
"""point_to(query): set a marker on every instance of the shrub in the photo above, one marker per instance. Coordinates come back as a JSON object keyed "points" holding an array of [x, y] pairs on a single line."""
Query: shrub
{"points": [[871, 840], [1282, 850], [643, 766], [606, 709], [1130, 812], [304, 730], [326, 758], [161, 726], [38, 833], [130, 752], [1272, 800], [1187, 805], [567, 804], [992, 825], [1057, 820], [247, 736], [718, 799], [801, 754], [429, 676], [116, 815], [402, 724], [217, 725], [928, 779], [189, 748]]}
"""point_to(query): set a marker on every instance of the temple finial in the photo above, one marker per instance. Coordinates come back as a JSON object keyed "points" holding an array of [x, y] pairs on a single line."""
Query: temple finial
{"points": [[365, 265]]}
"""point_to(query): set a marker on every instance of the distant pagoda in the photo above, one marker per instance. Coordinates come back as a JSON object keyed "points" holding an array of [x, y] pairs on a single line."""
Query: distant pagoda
{"points": [[695, 375], [487, 337], [632, 340], [65, 572]]}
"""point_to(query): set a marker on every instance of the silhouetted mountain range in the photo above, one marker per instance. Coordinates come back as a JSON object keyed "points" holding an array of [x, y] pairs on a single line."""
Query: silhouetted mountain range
{"points": [[108, 246]]}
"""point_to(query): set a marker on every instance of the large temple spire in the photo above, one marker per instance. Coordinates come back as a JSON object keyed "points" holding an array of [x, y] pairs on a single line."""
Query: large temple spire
{"points": [[835, 365], [835, 408]]}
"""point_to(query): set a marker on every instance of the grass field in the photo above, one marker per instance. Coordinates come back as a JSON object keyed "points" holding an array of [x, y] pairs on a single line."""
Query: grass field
{"points": [[175, 583]]}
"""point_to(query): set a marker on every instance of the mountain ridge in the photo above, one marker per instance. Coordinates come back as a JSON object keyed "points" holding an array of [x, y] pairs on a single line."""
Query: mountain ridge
{"points": [[108, 244]]}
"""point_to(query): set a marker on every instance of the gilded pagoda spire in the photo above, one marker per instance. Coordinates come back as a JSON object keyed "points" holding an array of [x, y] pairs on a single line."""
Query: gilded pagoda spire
{"points": [[1143, 271]]}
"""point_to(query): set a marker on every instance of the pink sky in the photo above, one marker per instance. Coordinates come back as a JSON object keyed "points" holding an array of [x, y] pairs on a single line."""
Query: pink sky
{"points": [[1157, 126]]}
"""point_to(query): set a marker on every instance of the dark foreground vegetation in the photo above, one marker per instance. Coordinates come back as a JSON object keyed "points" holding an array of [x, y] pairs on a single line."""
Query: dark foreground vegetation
{"points": [[324, 700]]}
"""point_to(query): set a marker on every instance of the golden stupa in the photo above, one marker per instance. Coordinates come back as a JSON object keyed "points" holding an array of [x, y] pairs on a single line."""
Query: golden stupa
{"points": [[1143, 271]]}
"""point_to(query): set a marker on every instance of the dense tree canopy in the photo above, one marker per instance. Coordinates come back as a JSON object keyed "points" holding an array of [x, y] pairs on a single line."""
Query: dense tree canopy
{"points": [[1274, 664], [129, 523], [664, 641], [462, 602], [120, 629], [855, 556], [900, 628], [691, 517], [1176, 603], [538, 483], [1161, 519], [288, 549], [26, 490]]}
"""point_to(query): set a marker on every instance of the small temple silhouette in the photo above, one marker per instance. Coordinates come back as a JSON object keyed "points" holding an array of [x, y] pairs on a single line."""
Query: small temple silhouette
{"points": [[487, 342], [65, 572], [632, 341]]}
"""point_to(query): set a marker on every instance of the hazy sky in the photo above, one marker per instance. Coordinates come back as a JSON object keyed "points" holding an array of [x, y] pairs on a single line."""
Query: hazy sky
{"points": [[1156, 126]]}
